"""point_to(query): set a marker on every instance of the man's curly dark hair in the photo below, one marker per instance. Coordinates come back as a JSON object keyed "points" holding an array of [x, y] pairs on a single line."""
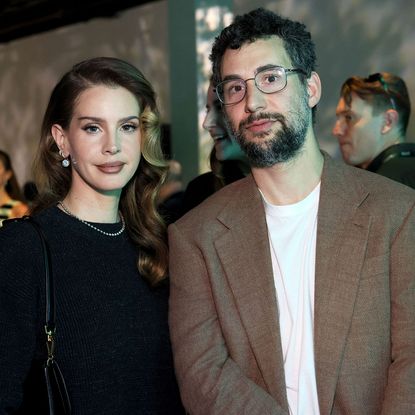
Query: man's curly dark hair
{"points": [[261, 24]]}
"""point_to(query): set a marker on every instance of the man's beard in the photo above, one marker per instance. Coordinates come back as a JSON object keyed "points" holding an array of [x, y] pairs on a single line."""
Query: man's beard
{"points": [[284, 146]]}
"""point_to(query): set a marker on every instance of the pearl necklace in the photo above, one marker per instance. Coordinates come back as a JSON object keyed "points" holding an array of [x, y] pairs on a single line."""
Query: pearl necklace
{"points": [[68, 212]]}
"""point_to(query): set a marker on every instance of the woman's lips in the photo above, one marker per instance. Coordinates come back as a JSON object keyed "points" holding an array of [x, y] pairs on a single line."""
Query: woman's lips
{"points": [[111, 168]]}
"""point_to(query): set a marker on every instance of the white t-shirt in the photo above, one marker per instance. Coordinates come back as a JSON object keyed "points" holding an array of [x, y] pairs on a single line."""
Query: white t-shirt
{"points": [[292, 231]]}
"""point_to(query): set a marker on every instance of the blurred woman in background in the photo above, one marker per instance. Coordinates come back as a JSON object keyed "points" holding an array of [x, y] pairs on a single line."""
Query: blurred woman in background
{"points": [[227, 160], [11, 199]]}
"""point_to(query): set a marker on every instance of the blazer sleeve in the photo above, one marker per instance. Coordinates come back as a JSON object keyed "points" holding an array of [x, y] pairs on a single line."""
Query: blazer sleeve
{"points": [[210, 381], [400, 391]]}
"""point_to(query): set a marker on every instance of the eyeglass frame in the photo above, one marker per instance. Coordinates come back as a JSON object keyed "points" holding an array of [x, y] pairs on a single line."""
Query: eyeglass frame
{"points": [[286, 71], [377, 77]]}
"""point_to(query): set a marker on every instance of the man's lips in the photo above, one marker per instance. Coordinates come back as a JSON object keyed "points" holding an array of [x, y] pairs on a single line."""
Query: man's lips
{"points": [[260, 125], [111, 167]]}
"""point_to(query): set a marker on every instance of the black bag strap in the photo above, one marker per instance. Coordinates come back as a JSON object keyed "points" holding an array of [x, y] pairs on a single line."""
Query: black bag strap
{"points": [[50, 318]]}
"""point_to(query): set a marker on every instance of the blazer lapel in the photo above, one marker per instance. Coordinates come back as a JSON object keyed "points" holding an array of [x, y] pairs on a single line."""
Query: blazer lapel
{"points": [[245, 256], [341, 244]]}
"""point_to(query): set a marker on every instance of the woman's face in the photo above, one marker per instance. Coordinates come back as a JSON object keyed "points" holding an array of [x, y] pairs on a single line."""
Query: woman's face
{"points": [[226, 148], [103, 140]]}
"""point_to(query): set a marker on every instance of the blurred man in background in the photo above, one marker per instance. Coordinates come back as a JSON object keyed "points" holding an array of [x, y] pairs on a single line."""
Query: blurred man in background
{"points": [[372, 118]]}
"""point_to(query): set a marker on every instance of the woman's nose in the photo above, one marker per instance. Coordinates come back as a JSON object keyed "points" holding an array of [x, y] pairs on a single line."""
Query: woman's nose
{"points": [[112, 145]]}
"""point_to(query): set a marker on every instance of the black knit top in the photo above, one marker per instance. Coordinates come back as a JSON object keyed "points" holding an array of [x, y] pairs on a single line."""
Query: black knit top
{"points": [[112, 334]]}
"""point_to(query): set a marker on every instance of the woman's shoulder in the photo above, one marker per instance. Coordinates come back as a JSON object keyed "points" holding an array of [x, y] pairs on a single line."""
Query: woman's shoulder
{"points": [[20, 256], [16, 235], [14, 229], [19, 240]]}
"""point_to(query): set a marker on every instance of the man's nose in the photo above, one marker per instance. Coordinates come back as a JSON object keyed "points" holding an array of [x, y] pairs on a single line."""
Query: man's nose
{"points": [[338, 128], [255, 100]]}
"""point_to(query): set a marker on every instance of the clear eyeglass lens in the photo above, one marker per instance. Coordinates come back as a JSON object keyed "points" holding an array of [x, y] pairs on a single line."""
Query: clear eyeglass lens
{"points": [[271, 80], [233, 90]]}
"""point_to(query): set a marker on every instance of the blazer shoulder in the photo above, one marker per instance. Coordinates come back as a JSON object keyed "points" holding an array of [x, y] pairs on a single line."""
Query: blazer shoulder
{"points": [[338, 173], [378, 193], [206, 212], [378, 185]]}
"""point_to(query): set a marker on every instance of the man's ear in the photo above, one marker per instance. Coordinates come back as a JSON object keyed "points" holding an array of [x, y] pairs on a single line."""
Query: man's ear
{"points": [[390, 120], [58, 134], [313, 89]]}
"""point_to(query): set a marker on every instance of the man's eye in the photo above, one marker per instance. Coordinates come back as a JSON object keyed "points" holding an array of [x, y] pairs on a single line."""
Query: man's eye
{"points": [[271, 78], [234, 89]]}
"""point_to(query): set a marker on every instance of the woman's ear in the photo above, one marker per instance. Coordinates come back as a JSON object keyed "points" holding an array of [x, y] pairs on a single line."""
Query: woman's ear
{"points": [[313, 89], [58, 134]]}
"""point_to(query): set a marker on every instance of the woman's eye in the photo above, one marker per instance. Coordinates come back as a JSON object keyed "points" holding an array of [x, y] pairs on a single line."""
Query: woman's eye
{"points": [[91, 129], [129, 127]]}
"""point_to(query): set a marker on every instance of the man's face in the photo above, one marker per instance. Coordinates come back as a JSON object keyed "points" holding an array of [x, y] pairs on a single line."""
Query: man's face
{"points": [[270, 128], [358, 131]]}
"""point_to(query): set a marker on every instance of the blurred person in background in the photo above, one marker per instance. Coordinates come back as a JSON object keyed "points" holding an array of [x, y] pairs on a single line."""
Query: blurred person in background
{"points": [[170, 200], [227, 161], [11, 198], [372, 118]]}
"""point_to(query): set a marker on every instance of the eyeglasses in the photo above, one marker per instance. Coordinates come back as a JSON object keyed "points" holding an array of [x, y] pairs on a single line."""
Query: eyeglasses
{"points": [[268, 81], [377, 77]]}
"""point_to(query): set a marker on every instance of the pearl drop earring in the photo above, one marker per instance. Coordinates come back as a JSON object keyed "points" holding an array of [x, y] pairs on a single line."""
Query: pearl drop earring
{"points": [[65, 162]]}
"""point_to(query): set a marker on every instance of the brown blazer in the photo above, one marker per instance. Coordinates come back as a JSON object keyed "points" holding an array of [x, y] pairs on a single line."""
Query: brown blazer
{"points": [[223, 310]]}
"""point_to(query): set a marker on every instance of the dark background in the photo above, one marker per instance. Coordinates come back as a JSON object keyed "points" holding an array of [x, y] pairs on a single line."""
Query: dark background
{"points": [[19, 18]]}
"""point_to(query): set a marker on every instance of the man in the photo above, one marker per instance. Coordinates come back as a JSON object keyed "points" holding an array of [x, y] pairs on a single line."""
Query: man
{"points": [[293, 289], [372, 117]]}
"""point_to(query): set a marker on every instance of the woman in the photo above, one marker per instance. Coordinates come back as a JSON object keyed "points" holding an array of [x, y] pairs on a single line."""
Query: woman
{"points": [[227, 161], [99, 167], [11, 200]]}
